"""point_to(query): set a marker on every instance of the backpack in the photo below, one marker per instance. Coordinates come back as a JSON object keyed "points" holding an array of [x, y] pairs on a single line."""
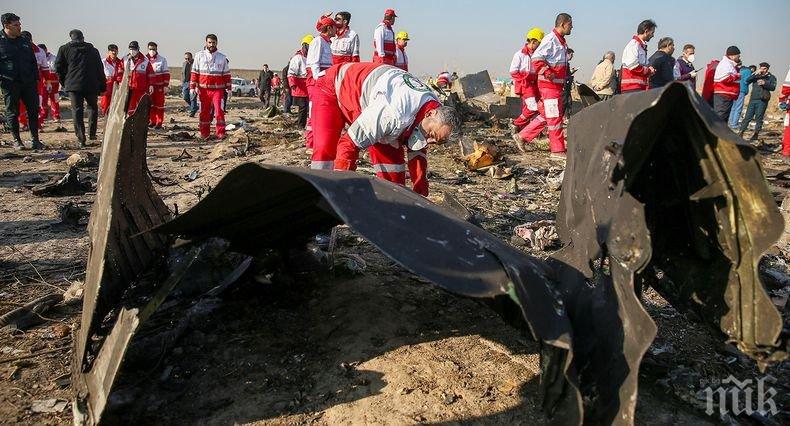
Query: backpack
{"points": [[707, 85]]}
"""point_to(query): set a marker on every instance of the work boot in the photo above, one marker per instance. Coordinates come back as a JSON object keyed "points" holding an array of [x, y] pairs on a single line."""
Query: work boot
{"points": [[755, 136], [36, 144], [740, 133], [18, 145], [520, 144]]}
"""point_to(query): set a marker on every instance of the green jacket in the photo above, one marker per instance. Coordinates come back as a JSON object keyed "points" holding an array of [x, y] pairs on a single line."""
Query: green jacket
{"points": [[767, 87]]}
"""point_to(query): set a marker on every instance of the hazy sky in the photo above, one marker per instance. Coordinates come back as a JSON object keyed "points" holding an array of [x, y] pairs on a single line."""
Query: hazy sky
{"points": [[459, 35]]}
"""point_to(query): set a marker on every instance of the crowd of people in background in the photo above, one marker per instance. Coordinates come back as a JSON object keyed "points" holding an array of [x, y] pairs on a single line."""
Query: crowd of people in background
{"points": [[541, 71], [727, 82]]}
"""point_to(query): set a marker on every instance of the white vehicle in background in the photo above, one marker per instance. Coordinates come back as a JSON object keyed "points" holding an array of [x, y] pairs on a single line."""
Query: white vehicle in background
{"points": [[240, 86]]}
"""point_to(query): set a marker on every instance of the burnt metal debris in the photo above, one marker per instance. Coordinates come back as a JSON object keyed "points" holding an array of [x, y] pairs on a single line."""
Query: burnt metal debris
{"points": [[657, 192], [125, 205]]}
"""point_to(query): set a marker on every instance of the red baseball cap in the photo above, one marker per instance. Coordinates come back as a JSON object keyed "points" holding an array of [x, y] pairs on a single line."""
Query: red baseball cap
{"points": [[325, 21], [390, 12]]}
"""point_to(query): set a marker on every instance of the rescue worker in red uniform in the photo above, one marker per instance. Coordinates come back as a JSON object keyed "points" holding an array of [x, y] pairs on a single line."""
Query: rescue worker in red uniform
{"points": [[319, 58], [636, 70], [784, 98], [113, 74], [525, 85], [43, 83], [444, 80], [297, 81], [550, 62], [389, 112], [345, 43], [141, 76], [49, 102], [384, 40], [210, 81], [401, 59], [726, 83], [161, 82]]}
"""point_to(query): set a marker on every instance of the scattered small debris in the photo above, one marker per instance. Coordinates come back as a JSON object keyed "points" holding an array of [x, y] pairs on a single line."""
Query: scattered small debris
{"points": [[69, 184], [180, 136], [191, 176], [73, 216], [183, 156], [48, 406], [29, 315], [539, 234], [61, 129], [500, 172], [84, 159], [484, 155], [222, 151]]}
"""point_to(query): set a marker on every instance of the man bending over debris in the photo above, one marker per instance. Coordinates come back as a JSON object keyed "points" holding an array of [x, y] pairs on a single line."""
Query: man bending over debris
{"points": [[390, 113]]}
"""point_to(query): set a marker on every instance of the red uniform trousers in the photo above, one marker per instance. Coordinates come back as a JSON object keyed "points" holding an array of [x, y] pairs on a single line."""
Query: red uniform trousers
{"points": [[529, 110], [49, 103], [211, 99], [308, 128], [134, 99], [551, 112], [334, 149], [106, 97], [156, 115], [786, 137]]}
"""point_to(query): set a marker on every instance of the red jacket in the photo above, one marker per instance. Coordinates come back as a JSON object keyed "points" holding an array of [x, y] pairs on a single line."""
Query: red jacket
{"points": [[210, 71], [525, 81], [550, 61], [635, 70], [401, 59], [113, 70], [298, 75], [727, 79], [353, 88], [384, 44], [142, 74], [161, 71]]}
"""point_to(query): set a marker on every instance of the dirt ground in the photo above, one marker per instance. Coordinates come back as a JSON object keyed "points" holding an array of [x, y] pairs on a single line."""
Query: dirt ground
{"points": [[381, 346]]}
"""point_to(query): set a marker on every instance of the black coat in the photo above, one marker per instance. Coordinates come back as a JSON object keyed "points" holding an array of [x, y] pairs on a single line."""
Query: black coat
{"points": [[664, 65], [79, 67], [17, 61]]}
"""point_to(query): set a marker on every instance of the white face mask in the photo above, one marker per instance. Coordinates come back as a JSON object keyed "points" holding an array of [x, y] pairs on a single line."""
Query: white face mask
{"points": [[133, 52], [691, 58], [151, 52], [417, 140]]}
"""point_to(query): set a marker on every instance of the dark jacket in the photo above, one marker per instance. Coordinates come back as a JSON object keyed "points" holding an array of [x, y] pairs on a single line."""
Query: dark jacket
{"points": [[265, 79], [685, 69], [17, 61], [186, 72], [664, 65], [765, 90], [79, 68]]}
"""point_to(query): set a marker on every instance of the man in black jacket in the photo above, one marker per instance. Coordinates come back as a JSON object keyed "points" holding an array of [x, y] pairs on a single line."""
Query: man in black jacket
{"points": [[79, 66], [763, 83], [663, 62], [265, 85], [18, 79]]}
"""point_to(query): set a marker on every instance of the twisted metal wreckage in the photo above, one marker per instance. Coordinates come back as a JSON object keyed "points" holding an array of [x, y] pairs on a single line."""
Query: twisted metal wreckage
{"points": [[657, 192]]}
